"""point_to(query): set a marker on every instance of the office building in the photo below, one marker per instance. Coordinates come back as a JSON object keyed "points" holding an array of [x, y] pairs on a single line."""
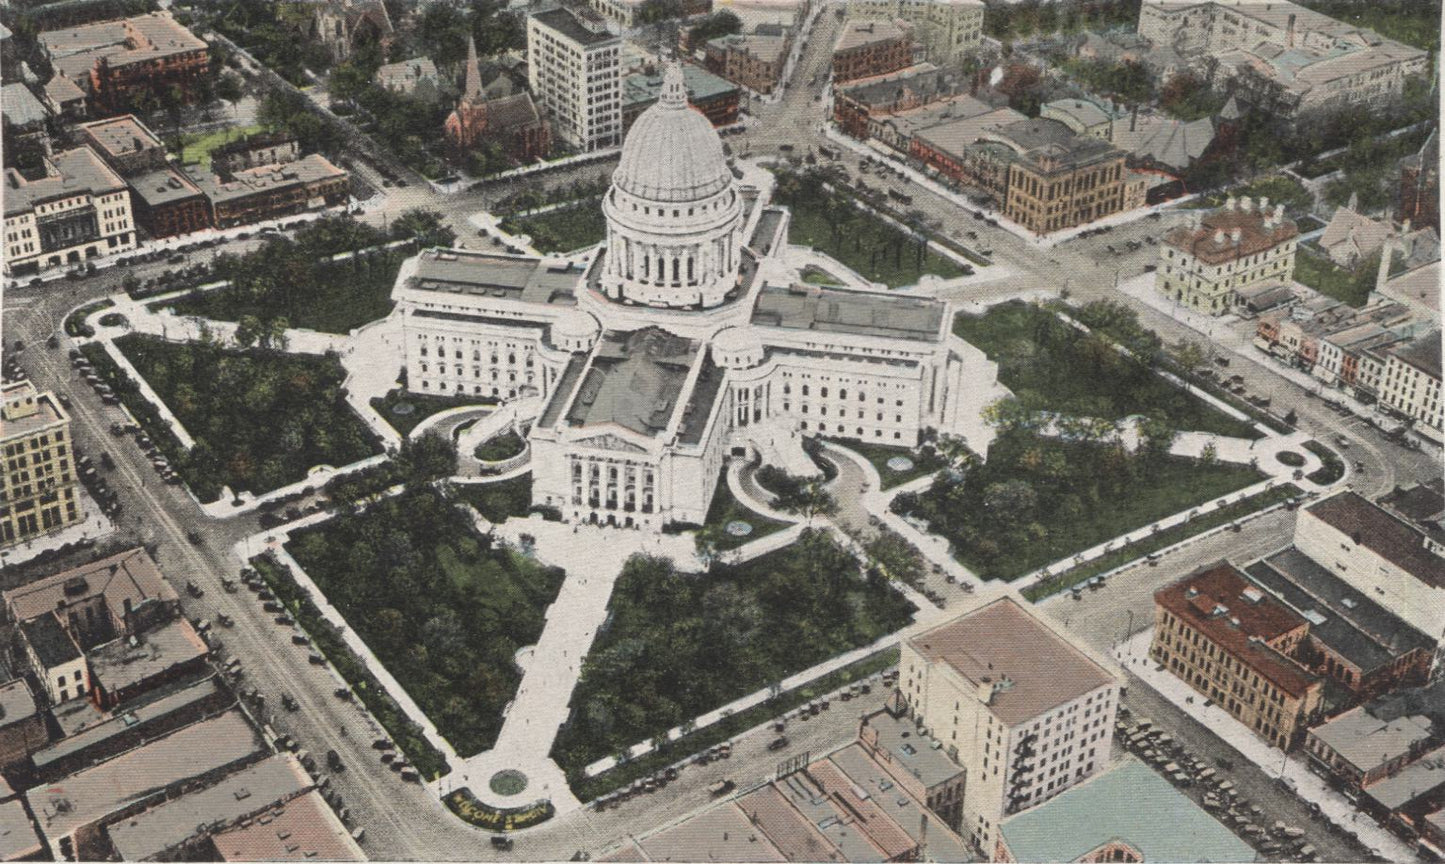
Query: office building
{"points": [[948, 29], [1206, 262], [79, 209], [871, 47], [41, 491], [574, 71]]}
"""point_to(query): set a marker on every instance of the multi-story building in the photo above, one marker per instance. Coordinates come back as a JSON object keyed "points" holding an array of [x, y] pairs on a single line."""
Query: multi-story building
{"points": [[959, 150], [58, 663], [1281, 56], [926, 774], [79, 209], [631, 13], [345, 25], [1026, 711], [1058, 180], [1233, 643], [416, 77], [751, 60], [121, 63], [1412, 385], [273, 191], [713, 95], [1380, 555], [574, 69], [22, 724], [682, 339], [1203, 264], [948, 29], [1361, 748], [41, 491], [254, 151], [165, 201], [26, 119], [857, 106], [869, 47]]}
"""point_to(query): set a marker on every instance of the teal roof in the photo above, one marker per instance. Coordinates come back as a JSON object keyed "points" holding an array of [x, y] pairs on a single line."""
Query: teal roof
{"points": [[1129, 803], [701, 85]]}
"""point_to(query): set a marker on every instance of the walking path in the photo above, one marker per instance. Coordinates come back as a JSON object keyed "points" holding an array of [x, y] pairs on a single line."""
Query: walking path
{"points": [[1134, 655]]}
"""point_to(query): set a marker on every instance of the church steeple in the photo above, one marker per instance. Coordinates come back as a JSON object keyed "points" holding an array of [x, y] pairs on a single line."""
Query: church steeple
{"points": [[474, 73]]}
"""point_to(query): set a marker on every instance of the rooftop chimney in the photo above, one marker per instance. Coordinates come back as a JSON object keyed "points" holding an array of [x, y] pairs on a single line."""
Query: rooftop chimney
{"points": [[1219, 236], [1246, 204], [1289, 31], [1229, 203], [1235, 235]]}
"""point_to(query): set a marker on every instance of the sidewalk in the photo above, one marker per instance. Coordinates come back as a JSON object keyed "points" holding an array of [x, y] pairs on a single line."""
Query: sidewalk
{"points": [[1134, 655]]}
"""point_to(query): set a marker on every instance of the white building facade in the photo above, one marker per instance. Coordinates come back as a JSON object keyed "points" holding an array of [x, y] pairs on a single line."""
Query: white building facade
{"points": [[79, 210], [1204, 264], [685, 338], [948, 29], [574, 70]]}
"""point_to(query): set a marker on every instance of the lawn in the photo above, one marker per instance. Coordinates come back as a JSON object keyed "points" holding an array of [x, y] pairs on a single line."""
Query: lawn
{"points": [[925, 460], [1168, 537], [501, 500], [1039, 500], [677, 646], [871, 247], [333, 297], [818, 276], [422, 407], [500, 448], [565, 229], [726, 508], [1332, 467], [1314, 269], [1054, 367], [197, 146], [260, 419], [443, 609]]}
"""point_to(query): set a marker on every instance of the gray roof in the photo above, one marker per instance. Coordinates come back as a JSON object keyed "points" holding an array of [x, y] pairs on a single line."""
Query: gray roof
{"points": [[80, 172], [645, 87], [162, 828], [1131, 804], [634, 380], [1416, 780], [307, 169], [133, 715], [955, 136], [121, 135], [853, 312], [911, 751], [142, 37], [1170, 142], [83, 798], [532, 280], [17, 702], [1423, 354], [118, 664], [943, 844], [1342, 617], [18, 840], [579, 25], [1082, 110], [1367, 742], [163, 186], [21, 108], [51, 644]]}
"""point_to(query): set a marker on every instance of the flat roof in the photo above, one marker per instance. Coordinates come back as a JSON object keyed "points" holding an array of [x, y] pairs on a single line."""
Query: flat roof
{"points": [[1219, 601], [1374, 528], [1367, 742], [720, 833], [125, 577], [1340, 615], [48, 412], [51, 644], [906, 812], [118, 665], [1423, 354], [311, 168], [1004, 642], [857, 33], [163, 186], [1416, 780], [515, 277], [130, 716], [121, 135], [646, 87], [579, 25], [635, 380], [864, 313], [1128, 803], [912, 751], [153, 832], [78, 172], [794, 836], [18, 840], [954, 136], [142, 37], [303, 829], [71, 803], [17, 702]]}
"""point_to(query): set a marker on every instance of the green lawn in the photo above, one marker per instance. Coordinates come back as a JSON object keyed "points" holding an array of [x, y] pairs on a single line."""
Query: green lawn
{"points": [[441, 608], [726, 508], [1320, 273], [872, 247], [925, 460], [565, 229], [677, 645], [499, 501], [1039, 500], [1168, 537], [333, 297], [499, 448], [818, 276], [260, 419], [422, 407], [1332, 467], [1055, 367], [197, 146]]}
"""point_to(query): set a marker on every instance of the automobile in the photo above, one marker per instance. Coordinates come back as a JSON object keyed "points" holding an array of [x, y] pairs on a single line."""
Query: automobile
{"points": [[333, 761], [289, 702], [195, 537], [778, 743], [285, 620], [272, 606], [343, 693], [300, 639], [315, 659], [106, 461], [194, 590], [53, 342], [503, 844], [109, 399], [226, 620]]}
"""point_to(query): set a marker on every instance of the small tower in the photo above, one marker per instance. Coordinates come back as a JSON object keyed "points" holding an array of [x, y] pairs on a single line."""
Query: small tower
{"points": [[473, 92]]}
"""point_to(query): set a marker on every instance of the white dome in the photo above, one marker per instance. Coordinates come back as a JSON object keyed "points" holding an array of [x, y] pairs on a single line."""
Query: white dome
{"points": [[672, 153], [575, 330]]}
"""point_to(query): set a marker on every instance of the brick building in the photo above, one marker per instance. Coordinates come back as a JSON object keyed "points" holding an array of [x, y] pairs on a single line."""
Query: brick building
{"points": [[274, 191], [1233, 643], [857, 105], [120, 63], [79, 209], [871, 47], [164, 201], [1058, 179], [754, 60], [22, 724], [715, 97], [512, 119]]}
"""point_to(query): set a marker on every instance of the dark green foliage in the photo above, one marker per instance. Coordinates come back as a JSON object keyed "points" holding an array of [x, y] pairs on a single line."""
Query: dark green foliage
{"points": [[1054, 367], [1126, 81], [1007, 20], [1038, 500], [720, 23], [499, 501], [565, 229], [260, 419], [713, 536], [424, 225], [404, 732], [1414, 22], [502, 447], [1348, 285], [419, 461], [423, 406], [678, 645], [442, 608], [1333, 467]]}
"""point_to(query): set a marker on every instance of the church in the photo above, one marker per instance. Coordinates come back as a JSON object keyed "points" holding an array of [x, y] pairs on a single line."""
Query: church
{"points": [[682, 340]]}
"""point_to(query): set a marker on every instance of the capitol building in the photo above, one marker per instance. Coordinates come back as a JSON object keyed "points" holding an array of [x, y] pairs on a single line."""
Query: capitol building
{"points": [[684, 339]]}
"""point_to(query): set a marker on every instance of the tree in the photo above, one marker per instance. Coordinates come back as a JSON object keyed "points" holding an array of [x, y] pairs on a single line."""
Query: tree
{"points": [[812, 499], [1210, 454], [248, 331], [1012, 501], [425, 225], [1188, 355], [228, 89]]}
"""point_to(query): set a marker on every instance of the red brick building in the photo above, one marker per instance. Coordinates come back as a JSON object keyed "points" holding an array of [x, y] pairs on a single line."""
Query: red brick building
{"points": [[513, 120], [120, 64], [872, 47], [163, 200]]}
